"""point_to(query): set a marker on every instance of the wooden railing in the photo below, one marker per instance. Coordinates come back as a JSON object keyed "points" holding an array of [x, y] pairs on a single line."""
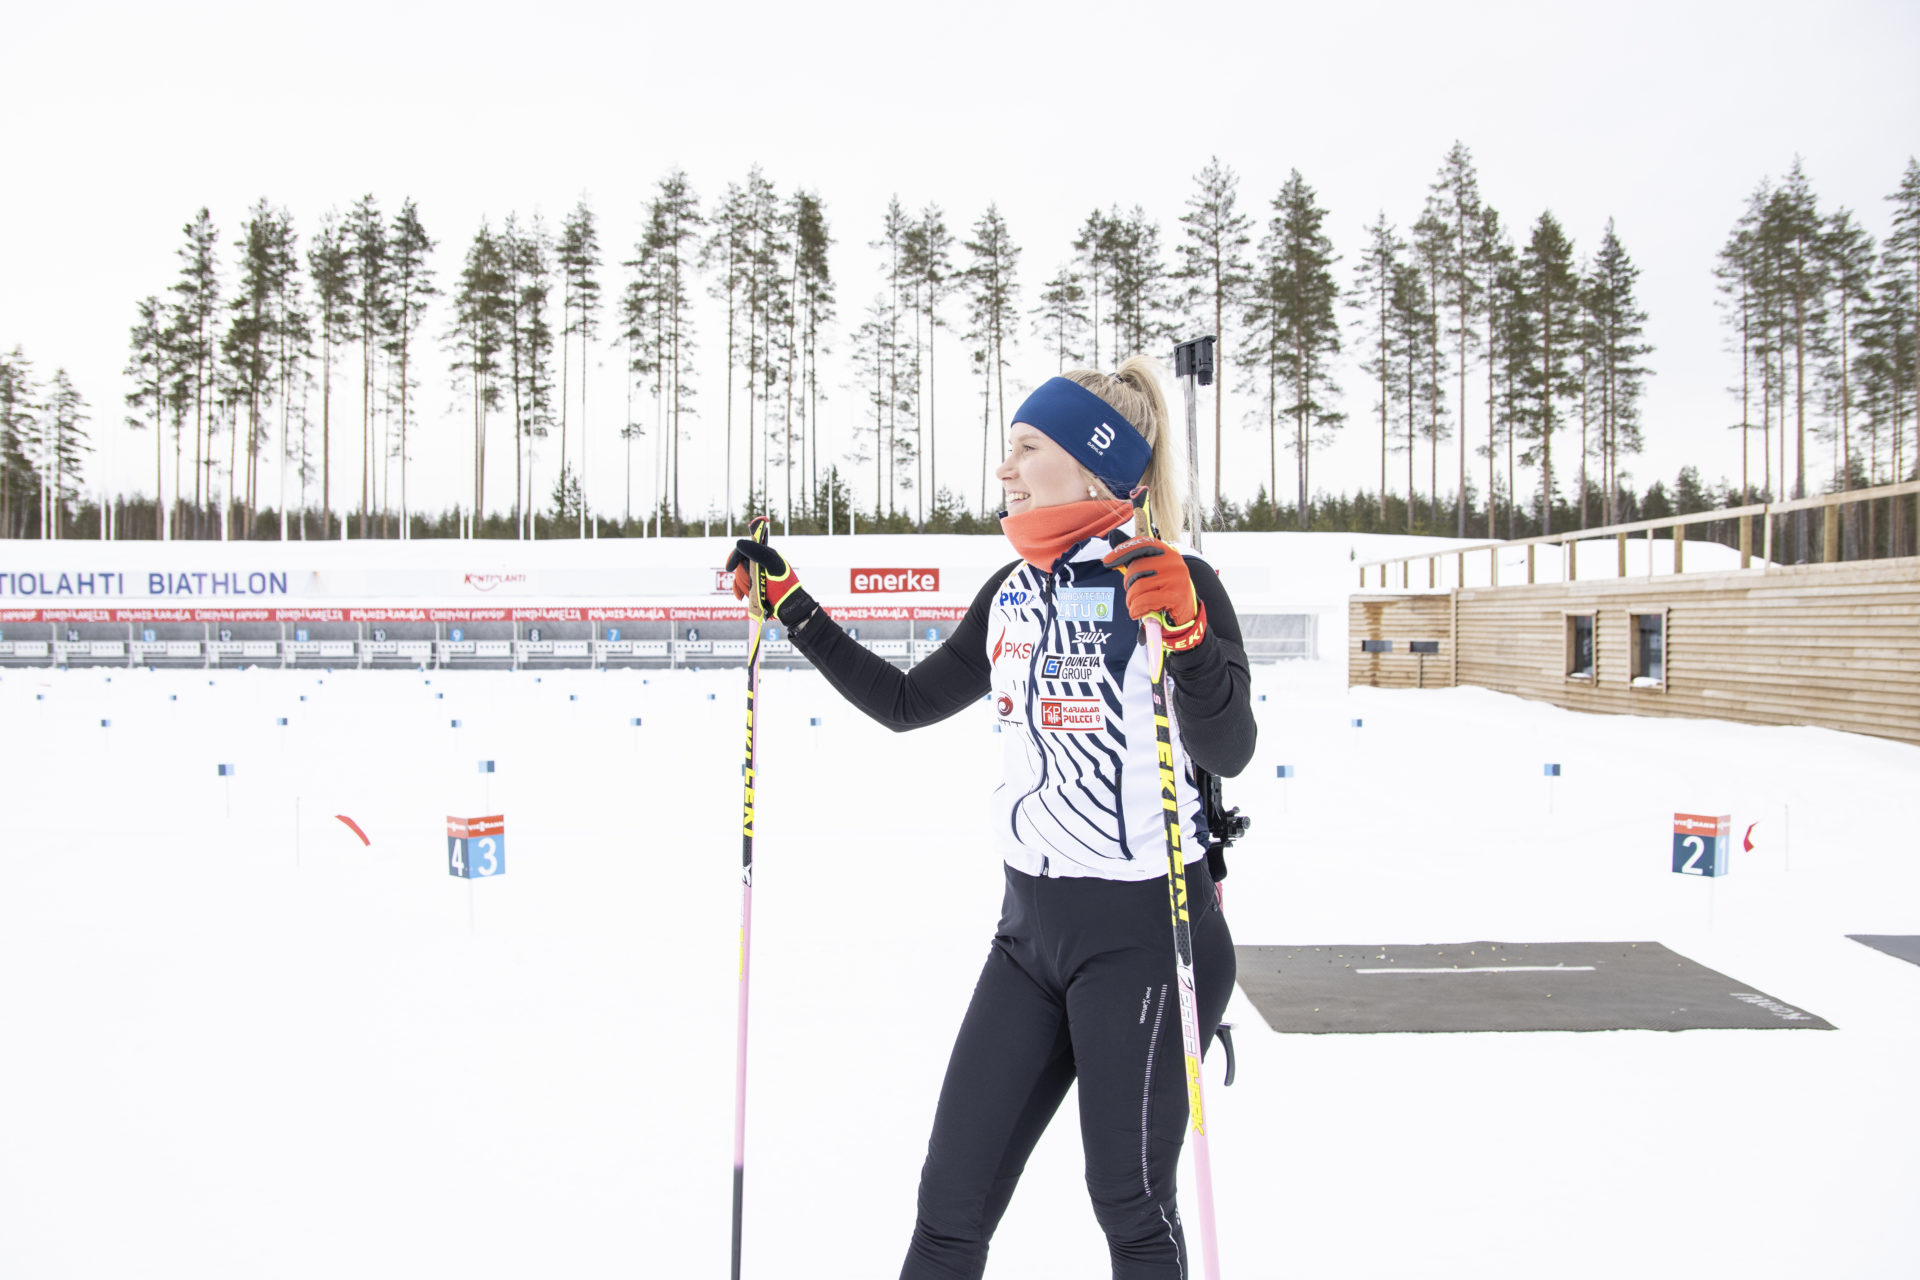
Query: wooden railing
{"points": [[1766, 514]]}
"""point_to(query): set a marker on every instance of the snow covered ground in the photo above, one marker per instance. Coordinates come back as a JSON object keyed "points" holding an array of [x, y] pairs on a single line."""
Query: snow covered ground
{"points": [[235, 1042]]}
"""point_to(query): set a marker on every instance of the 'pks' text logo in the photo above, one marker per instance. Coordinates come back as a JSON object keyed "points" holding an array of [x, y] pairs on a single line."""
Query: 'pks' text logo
{"points": [[1015, 598], [1012, 651]]}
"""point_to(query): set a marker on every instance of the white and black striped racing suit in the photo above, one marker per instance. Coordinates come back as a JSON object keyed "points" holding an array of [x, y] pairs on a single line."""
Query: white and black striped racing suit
{"points": [[1078, 983]]}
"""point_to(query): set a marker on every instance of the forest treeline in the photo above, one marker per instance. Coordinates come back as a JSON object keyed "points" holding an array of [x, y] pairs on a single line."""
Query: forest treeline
{"points": [[1506, 365]]}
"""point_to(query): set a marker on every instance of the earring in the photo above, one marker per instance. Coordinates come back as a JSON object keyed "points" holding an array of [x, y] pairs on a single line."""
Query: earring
{"points": [[1092, 492]]}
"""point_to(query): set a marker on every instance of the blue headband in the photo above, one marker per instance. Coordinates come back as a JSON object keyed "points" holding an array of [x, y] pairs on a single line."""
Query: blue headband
{"points": [[1093, 431]]}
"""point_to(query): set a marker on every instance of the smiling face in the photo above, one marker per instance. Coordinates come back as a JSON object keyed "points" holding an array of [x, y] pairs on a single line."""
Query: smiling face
{"points": [[1039, 473]]}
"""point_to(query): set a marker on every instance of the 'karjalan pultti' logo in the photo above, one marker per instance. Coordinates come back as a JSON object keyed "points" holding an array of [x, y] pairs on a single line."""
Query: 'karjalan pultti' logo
{"points": [[1072, 715], [488, 581]]}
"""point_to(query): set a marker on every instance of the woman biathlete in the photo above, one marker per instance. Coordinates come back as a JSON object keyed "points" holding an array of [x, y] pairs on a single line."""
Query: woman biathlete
{"points": [[1079, 982]]}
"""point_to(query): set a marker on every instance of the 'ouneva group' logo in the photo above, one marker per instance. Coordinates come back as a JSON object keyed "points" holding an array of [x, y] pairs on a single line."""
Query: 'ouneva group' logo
{"points": [[1070, 666]]}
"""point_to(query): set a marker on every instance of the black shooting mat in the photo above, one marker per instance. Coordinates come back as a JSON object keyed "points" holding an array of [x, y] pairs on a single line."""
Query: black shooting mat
{"points": [[1501, 986], [1901, 946]]}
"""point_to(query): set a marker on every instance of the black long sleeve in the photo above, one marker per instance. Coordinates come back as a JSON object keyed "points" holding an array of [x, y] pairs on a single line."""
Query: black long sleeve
{"points": [[949, 678], [1212, 686]]}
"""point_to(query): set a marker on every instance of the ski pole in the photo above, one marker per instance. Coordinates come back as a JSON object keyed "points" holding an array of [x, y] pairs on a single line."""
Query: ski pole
{"points": [[1177, 903], [1193, 364], [757, 613]]}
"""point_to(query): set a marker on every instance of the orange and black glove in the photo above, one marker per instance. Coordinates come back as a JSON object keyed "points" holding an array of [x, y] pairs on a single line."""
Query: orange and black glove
{"points": [[778, 585], [1159, 586]]}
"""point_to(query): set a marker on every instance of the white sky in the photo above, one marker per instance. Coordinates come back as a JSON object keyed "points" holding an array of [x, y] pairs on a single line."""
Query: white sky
{"points": [[122, 120]]}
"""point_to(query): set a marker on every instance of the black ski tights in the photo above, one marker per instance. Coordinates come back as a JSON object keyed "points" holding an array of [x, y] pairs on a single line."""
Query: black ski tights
{"points": [[1078, 985]]}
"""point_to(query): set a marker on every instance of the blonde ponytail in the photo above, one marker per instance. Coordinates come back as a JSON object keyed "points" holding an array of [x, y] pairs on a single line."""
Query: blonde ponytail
{"points": [[1134, 392]]}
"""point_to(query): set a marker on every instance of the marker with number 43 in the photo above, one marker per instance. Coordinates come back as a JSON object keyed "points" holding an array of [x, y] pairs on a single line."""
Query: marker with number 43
{"points": [[477, 847]]}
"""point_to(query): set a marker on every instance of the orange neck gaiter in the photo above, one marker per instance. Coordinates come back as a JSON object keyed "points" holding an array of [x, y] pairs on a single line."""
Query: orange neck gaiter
{"points": [[1043, 534]]}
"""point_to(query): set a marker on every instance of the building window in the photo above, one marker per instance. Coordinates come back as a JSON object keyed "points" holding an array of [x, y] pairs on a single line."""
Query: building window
{"points": [[1579, 646], [1423, 646], [1376, 646], [1649, 650]]}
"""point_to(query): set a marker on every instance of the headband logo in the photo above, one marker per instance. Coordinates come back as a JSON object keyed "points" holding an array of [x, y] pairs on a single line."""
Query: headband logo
{"points": [[1102, 437]]}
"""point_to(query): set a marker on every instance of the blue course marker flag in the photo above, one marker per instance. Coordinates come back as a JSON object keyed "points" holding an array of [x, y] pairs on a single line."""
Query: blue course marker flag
{"points": [[636, 722], [1550, 770], [814, 721], [1283, 771], [106, 724], [226, 771], [486, 766], [454, 723], [1356, 724], [282, 722]]}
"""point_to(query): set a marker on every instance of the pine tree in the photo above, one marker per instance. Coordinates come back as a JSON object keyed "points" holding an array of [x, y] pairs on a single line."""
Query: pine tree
{"points": [[1492, 257], [197, 293], [293, 341], [993, 292], [147, 368], [1093, 249], [1372, 298], [894, 227], [252, 346], [873, 355], [412, 278], [1293, 319], [63, 441], [1793, 227], [929, 270], [366, 245], [1735, 271], [330, 268], [674, 223], [1903, 251], [1214, 262], [783, 351], [1062, 315], [729, 248], [20, 407], [1618, 325], [1455, 202], [579, 259], [1550, 296], [1432, 237], [483, 310], [1849, 261], [1140, 287], [1413, 321], [529, 267], [812, 240]]}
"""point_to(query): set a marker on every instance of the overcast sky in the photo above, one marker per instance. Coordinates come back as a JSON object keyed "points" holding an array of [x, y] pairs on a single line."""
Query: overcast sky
{"points": [[122, 120]]}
